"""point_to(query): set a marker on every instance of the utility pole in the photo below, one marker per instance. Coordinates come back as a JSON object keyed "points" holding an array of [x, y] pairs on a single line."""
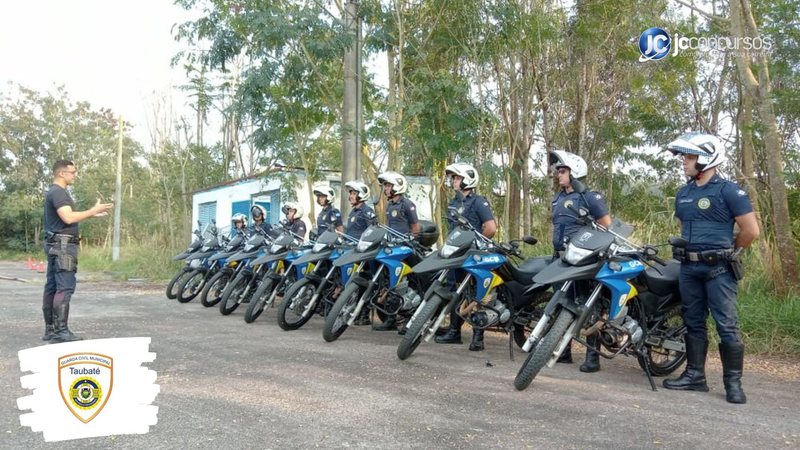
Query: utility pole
{"points": [[351, 122], [117, 196]]}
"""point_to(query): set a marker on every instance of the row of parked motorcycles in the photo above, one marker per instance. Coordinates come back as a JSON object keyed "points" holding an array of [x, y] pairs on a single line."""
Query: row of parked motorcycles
{"points": [[603, 285]]}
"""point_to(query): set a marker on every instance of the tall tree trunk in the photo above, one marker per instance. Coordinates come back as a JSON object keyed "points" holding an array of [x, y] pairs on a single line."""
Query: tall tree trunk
{"points": [[395, 115], [744, 124], [743, 24]]}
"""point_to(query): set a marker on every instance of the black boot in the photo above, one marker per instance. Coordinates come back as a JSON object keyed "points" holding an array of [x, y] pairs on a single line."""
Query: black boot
{"points": [[62, 332], [694, 377], [49, 326], [390, 324], [453, 335], [592, 363], [477, 341], [566, 355], [732, 356]]}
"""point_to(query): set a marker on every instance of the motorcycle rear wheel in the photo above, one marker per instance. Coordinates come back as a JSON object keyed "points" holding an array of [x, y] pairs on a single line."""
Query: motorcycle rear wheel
{"points": [[538, 358], [664, 361]]}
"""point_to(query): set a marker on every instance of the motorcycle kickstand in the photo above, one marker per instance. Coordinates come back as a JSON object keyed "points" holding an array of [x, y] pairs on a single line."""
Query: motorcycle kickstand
{"points": [[647, 370]]}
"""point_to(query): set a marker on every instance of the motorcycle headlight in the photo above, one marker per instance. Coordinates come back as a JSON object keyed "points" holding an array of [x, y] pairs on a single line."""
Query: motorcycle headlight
{"points": [[364, 246], [276, 248], [319, 247], [574, 255], [447, 250]]}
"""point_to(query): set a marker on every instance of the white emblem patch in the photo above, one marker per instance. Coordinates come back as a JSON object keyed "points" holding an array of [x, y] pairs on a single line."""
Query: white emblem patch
{"points": [[704, 203]]}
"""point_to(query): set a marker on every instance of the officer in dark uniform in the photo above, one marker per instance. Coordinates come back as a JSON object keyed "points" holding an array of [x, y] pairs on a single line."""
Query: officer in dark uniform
{"points": [[259, 215], [61, 247], [294, 213], [573, 195], [329, 218], [463, 178], [401, 215], [707, 207], [361, 214]]}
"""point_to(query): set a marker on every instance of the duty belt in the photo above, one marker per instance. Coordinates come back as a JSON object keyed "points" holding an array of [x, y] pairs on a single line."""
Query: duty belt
{"points": [[58, 237], [706, 256]]}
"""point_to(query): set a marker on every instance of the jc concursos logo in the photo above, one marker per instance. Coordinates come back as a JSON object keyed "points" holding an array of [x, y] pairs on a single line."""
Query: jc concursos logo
{"points": [[654, 44]]}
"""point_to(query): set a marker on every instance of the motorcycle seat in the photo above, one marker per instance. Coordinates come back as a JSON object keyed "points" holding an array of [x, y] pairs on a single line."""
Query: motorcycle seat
{"points": [[525, 272], [666, 282]]}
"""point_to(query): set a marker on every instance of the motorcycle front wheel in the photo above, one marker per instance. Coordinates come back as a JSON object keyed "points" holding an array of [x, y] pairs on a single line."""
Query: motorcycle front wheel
{"points": [[340, 313], [542, 353], [419, 328]]}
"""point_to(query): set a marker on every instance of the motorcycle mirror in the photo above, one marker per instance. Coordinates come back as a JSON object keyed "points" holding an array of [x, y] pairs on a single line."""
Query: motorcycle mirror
{"points": [[530, 240], [650, 251], [374, 200], [678, 242]]}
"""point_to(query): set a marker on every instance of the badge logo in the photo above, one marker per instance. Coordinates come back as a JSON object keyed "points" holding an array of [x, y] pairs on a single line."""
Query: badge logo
{"points": [[703, 203], [568, 204], [85, 381], [394, 213], [397, 271], [352, 219], [486, 283]]}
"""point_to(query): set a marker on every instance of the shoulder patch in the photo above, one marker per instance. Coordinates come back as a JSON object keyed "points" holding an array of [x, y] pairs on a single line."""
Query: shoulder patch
{"points": [[741, 193]]}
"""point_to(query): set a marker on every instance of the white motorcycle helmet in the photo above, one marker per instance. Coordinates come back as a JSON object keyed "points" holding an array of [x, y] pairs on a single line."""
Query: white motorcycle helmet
{"points": [[238, 217], [361, 189], [299, 211], [258, 211], [398, 182], [707, 147], [327, 191], [576, 165], [465, 171]]}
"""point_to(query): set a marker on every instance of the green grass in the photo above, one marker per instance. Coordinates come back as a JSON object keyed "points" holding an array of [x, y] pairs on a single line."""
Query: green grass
{"points": [[151, 262]]}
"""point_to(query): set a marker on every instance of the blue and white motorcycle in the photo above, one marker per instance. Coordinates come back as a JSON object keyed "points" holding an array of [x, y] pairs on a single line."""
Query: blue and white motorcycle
{"points": [[492, 289], [314, 292], [608, 290]]}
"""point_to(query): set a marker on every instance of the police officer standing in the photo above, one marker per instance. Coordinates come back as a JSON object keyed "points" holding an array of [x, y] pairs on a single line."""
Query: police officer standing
{"points": [[330, 218], [401, 215], [61, 246], [573, 195], [361, 214], [294, 213], [463, 178], [707, 208]]}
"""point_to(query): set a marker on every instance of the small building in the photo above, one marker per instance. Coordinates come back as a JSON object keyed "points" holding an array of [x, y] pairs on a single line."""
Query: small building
{"points": [[221, 201]]}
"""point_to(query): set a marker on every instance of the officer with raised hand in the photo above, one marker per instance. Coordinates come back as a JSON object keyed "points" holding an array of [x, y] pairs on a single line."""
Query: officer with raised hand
{"points": [[361, 214], [572, 195], [463, 178], [61, 224], [294, 213], [330, 218], [707, 208]]}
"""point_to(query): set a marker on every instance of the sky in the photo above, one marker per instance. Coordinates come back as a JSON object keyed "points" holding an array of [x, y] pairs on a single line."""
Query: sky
{"points": [[112, 53]]}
